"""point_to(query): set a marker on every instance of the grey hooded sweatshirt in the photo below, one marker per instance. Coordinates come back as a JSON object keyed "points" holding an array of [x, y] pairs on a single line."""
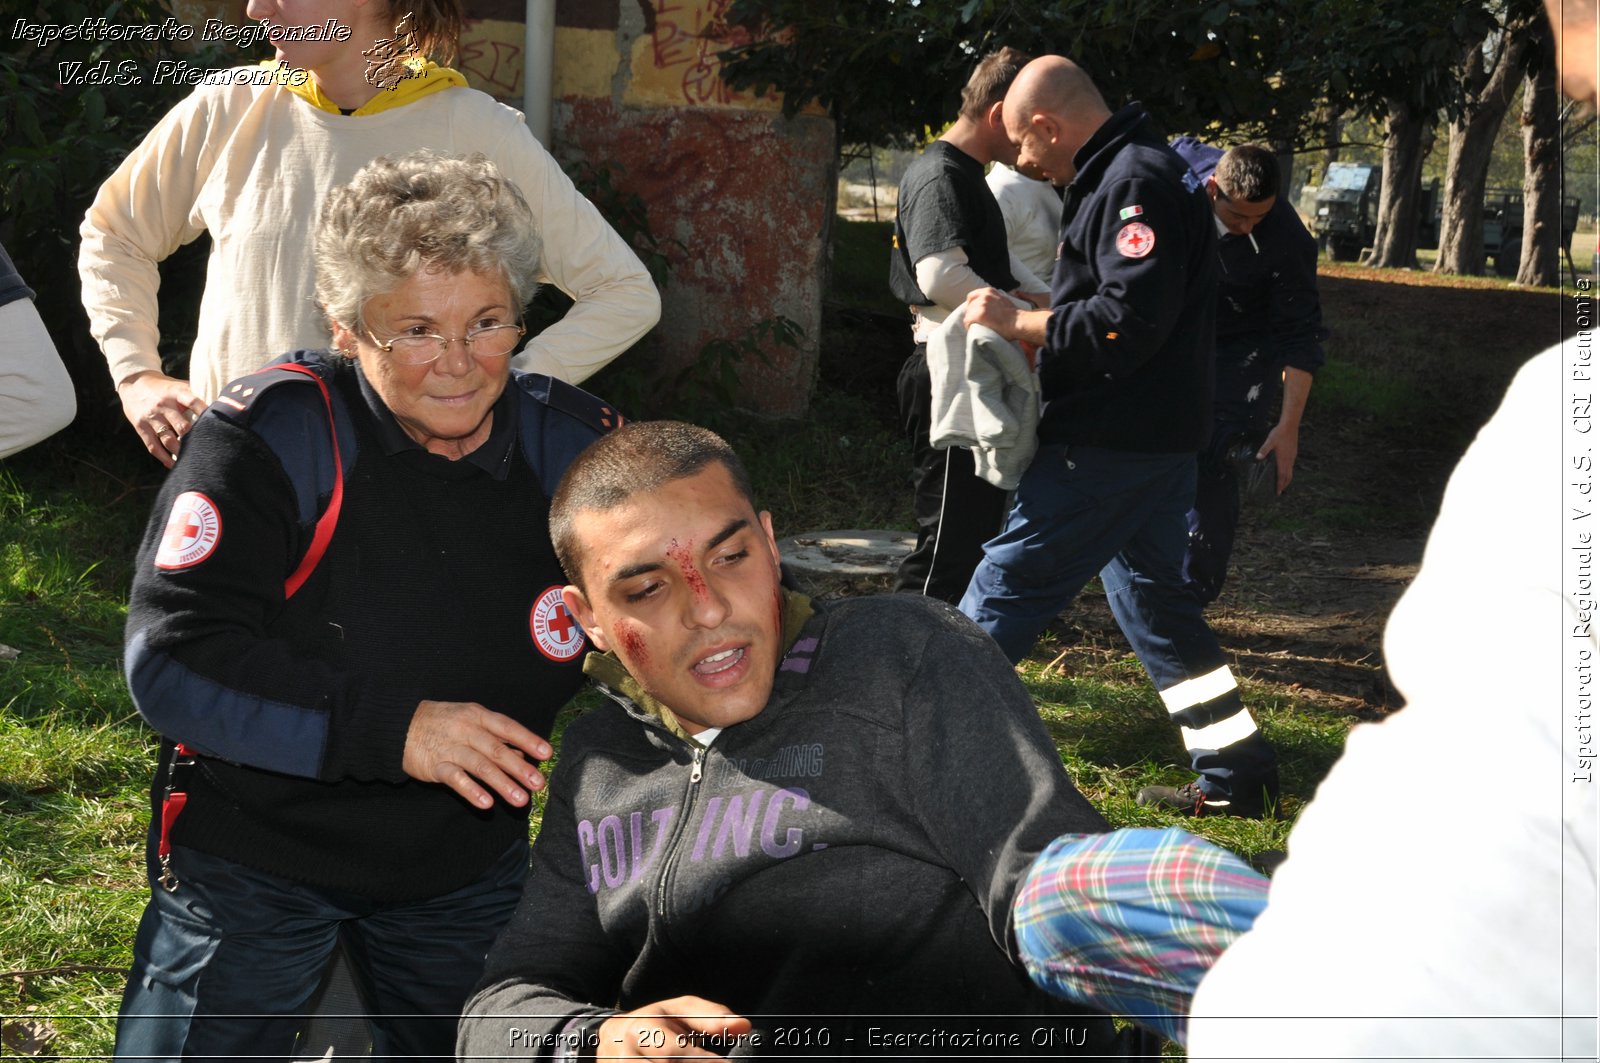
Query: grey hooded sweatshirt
{"points": [[844, 859]]}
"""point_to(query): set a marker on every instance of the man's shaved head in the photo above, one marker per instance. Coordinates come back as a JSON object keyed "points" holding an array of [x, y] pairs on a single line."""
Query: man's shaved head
{"points": [[1053, 84], [1051, 111]]}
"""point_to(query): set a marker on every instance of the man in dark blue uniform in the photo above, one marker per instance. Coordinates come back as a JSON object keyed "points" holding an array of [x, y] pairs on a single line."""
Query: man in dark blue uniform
{"points": [[1269, 341], [1126, 374]]}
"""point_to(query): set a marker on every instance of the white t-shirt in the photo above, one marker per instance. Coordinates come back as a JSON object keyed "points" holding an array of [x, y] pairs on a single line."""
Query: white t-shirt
{"points": [[1032, 211]]}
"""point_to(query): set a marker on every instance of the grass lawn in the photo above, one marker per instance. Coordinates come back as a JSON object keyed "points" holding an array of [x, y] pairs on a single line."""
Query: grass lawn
{"points": [[75, 761]]}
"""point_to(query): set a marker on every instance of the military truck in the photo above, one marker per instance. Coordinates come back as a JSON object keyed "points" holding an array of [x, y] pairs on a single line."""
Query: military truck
{"points": [[1502, 228], [1347, 217], [1347, 210]]}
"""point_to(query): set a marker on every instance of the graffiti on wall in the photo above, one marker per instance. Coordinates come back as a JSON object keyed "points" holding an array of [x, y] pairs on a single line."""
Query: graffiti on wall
{"points": [[675, 60], [687, 44], [491, 56]]}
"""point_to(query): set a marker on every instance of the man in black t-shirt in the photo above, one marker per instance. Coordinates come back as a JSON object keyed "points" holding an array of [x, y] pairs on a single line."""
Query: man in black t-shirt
{"points": [[950, 239]]}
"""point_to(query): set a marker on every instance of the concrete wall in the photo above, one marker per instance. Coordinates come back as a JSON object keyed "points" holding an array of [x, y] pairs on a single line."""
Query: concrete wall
{"points": [[748, 193]]}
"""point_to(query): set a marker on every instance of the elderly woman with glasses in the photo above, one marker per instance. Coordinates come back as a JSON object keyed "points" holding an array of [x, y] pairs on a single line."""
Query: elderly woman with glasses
{"points": [[346, 623]]}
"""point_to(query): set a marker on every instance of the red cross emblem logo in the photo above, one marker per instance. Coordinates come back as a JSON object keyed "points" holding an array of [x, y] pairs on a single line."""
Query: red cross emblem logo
{"points": [[554, 631], [192, 531], [1136, 240]]}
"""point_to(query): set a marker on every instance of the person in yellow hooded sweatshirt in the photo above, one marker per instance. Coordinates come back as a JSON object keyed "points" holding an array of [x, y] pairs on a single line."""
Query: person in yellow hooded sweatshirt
{"points": [[249, 159]]}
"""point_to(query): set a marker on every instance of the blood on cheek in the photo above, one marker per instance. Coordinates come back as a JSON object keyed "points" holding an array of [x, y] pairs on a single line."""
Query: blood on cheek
{"points": [[632, 644]]}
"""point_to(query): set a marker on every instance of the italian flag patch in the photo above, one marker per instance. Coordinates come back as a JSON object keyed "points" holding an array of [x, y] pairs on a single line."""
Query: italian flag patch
{"points": [[1130, 212]]}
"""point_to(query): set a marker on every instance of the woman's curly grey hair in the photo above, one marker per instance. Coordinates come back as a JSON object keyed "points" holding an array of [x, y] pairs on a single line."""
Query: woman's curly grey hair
{"points": [[422, 210]]}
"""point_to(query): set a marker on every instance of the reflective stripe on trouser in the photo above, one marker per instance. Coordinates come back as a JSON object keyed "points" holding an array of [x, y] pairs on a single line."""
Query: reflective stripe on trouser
{"points": [[1209, 712], [1120, 514]]}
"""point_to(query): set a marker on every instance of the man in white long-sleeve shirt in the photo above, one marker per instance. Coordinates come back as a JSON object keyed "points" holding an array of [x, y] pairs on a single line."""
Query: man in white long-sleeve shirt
{"points": [[950, 239], [249, 158]]}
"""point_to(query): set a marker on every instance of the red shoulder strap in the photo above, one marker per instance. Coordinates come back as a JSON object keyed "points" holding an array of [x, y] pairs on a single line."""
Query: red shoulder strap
{"points": [[330, 516]]}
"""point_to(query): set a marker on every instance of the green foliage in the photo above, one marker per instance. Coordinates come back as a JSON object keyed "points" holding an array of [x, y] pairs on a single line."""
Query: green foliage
{"points": [[1382, 51], [883, 70], [837, 467], [1254, 67], [888, 70], [1115, 738], [59, 142], [74, 761], [712, 381], [1353, 390], [861, 251]]}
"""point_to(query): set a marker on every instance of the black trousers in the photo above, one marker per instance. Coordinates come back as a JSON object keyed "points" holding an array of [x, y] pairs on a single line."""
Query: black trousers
{"points": [[1248, 396], [956, 511]]}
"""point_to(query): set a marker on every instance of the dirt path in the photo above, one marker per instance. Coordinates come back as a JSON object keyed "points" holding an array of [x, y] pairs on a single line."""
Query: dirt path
{"points": [[1317, 573]]}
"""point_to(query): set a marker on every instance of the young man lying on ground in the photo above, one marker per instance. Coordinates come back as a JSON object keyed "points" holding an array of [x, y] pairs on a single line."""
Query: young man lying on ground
{"points": [[798, 821]]}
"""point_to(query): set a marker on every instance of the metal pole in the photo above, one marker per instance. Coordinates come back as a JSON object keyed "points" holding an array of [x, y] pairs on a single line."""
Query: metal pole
{"points": [[538, 66]]}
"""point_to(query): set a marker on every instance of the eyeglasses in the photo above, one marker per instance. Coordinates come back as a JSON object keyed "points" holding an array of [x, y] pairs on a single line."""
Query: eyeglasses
{"points": [[421, 348]]}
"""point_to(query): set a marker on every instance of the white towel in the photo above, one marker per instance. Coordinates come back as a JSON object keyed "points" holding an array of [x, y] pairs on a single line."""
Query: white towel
{"points": [[985, 398]]}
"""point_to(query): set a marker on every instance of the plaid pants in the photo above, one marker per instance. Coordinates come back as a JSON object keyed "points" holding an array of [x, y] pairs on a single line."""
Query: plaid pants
{"points": [[1129, 922]]}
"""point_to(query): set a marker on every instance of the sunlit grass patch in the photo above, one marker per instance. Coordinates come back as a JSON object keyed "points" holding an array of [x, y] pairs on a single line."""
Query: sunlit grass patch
{"points": [[1115, 737]]}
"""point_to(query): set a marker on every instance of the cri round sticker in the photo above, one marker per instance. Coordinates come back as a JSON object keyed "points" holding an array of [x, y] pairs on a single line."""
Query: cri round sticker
{"points": [[557, 635], [1136, 240], [192, 531]]}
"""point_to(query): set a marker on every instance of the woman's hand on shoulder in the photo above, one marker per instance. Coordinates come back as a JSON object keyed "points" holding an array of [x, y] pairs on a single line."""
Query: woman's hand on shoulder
{"points": [[161, 409], [472, 750]]}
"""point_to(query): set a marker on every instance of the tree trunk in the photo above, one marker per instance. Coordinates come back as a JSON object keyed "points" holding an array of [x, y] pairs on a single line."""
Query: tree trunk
{"points": [[1488, 85], [1541, 182], [1287, 187], [1405, 146]]}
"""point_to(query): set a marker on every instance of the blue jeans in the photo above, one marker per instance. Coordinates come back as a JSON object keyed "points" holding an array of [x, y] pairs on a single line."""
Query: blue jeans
{"points": [[1086, 510], [228, 964]]}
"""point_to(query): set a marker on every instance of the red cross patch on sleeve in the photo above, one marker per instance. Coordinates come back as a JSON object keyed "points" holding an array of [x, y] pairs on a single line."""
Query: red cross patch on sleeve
{"points": [[1136, 240], [192, 532], [554, 631]]}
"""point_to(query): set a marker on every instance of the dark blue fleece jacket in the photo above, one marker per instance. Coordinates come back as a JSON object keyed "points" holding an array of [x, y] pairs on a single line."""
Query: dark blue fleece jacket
{"points": [[1268, 289]]}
